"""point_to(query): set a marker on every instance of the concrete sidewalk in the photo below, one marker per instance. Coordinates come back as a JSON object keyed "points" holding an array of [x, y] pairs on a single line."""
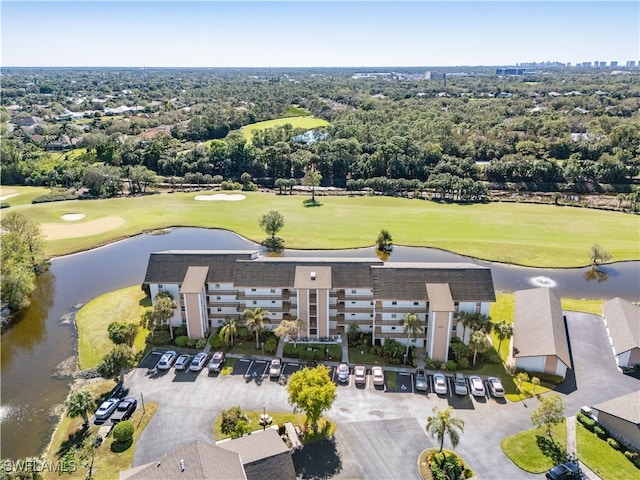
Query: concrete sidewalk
{"points": [[572, 448]]}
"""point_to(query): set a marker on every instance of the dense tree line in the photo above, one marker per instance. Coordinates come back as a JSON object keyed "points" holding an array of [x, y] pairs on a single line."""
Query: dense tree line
{"points": [[22, 259], [565, 128]]}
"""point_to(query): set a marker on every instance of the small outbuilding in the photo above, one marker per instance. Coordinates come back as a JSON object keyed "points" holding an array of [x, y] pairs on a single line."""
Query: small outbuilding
{"points": [[622, 321], [539, 335], [621, 416]]}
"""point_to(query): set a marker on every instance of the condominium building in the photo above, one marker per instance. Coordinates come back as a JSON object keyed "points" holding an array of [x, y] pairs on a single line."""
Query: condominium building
{"points": [[327, 294]]}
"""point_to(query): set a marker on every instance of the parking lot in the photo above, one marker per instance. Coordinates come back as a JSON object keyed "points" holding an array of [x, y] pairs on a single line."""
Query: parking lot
{"points": [[370, 418]]}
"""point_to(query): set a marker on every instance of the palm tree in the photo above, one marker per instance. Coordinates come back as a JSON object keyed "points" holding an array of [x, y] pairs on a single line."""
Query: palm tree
{"points": [[255, 320], [411, 326], [441, 423], [163, 309], [478, 343], [481, 322], [229, 329], [467, 319], [385, 241], [78, 404], [503, 331]]}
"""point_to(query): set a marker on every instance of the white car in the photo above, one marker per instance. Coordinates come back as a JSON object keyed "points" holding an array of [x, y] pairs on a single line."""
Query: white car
{"points": [[495, 387], [360, 374], [343, 373], [439, 384], [378, 376], [477, 387], [106, 408], [198, 362], [167, 359]]}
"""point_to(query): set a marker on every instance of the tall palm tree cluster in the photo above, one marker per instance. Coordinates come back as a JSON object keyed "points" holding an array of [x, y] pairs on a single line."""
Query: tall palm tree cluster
{"points": [[254, 320]]}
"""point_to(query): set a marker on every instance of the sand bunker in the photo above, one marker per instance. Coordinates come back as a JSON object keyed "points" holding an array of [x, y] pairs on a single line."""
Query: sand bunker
{"points": [[221, 197], [58, 231], [2, 199], [72, 217]]}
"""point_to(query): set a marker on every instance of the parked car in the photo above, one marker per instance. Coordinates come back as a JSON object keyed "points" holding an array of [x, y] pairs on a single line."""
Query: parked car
{"points": [[275, 367], [360, 374], [564, 471], [495, 387], [378, 376], [343, 372], [476, 385], [124, 410], [460, 385], [439, 384], [167, 359], [216, 362], [182, 362], [198, 362], [421, 380], [106, 408]]}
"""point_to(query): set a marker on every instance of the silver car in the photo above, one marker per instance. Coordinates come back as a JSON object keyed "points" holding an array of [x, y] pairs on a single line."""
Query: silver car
{"points": [[460, 385], [198, 362], [495, 387], [167, 359]]}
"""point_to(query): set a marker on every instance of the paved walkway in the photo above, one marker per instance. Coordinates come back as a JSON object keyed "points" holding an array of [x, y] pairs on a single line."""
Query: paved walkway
{"points": [[572, 448]]}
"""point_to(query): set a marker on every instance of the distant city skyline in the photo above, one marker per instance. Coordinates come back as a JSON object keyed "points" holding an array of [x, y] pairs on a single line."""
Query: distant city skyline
{"points": [[317, 34]]}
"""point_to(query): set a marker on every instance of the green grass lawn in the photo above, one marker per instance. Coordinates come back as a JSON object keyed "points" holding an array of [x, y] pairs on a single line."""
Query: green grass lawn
{"points": [[505, 232], [581, 305], [596, 453], [306, 122], [92, 320], [522, 448], [325, 426], [366, 358], [108, 462], [21, 195]]}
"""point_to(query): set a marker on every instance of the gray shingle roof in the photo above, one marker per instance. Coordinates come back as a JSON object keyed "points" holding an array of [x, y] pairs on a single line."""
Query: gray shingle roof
{"points": [[407, 281], [280, 272], [623, 321], [171, 266], [626, 407], [264, 455], [201, 461], [538, 327]]}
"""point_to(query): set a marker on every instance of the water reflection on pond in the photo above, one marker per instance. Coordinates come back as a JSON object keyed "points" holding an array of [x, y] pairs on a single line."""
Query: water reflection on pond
{"points": [[33, 348]]}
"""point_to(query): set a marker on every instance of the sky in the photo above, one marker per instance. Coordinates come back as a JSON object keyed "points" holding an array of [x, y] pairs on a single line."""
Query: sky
{"points": [[316, 33]]}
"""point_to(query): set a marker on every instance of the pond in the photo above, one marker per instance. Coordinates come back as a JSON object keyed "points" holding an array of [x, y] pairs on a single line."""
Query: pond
{"points": [[45, 337]]}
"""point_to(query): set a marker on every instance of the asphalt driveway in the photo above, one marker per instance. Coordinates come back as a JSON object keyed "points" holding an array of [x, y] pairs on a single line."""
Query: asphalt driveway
{"points": [[380, 432]]}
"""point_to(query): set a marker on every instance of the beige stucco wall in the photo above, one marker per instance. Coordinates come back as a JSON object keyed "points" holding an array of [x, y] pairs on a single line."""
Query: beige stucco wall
{"points": [[194, 318], [323, 312], [303, 308], [617, 426], [440, 336]]}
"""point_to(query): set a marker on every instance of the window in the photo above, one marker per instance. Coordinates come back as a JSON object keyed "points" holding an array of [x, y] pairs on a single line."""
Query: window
{"points": [[393, 328], [255, 303], [415, 303], [273, 302], [253, 289], [394, 303], [393, 315], [160, 287], [353, 292], [218, 298], [217, 285], [219, 309], [273, 290], [353, 303]]}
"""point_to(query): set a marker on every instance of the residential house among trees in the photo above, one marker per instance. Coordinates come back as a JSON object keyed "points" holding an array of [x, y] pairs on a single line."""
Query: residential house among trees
{"points": [[329, 294]]}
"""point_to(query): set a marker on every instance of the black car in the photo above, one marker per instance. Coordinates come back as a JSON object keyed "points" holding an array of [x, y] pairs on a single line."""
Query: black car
{"points": [[124, 410], [564, 471]]}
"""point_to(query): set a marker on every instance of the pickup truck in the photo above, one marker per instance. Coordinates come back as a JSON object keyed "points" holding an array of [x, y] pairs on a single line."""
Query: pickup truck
{"points": [[124, 410]]}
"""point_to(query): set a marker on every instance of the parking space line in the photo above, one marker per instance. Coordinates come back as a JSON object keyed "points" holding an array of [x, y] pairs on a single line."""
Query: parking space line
{"points": [[266, 367], [246, 372], [451, 385]]}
